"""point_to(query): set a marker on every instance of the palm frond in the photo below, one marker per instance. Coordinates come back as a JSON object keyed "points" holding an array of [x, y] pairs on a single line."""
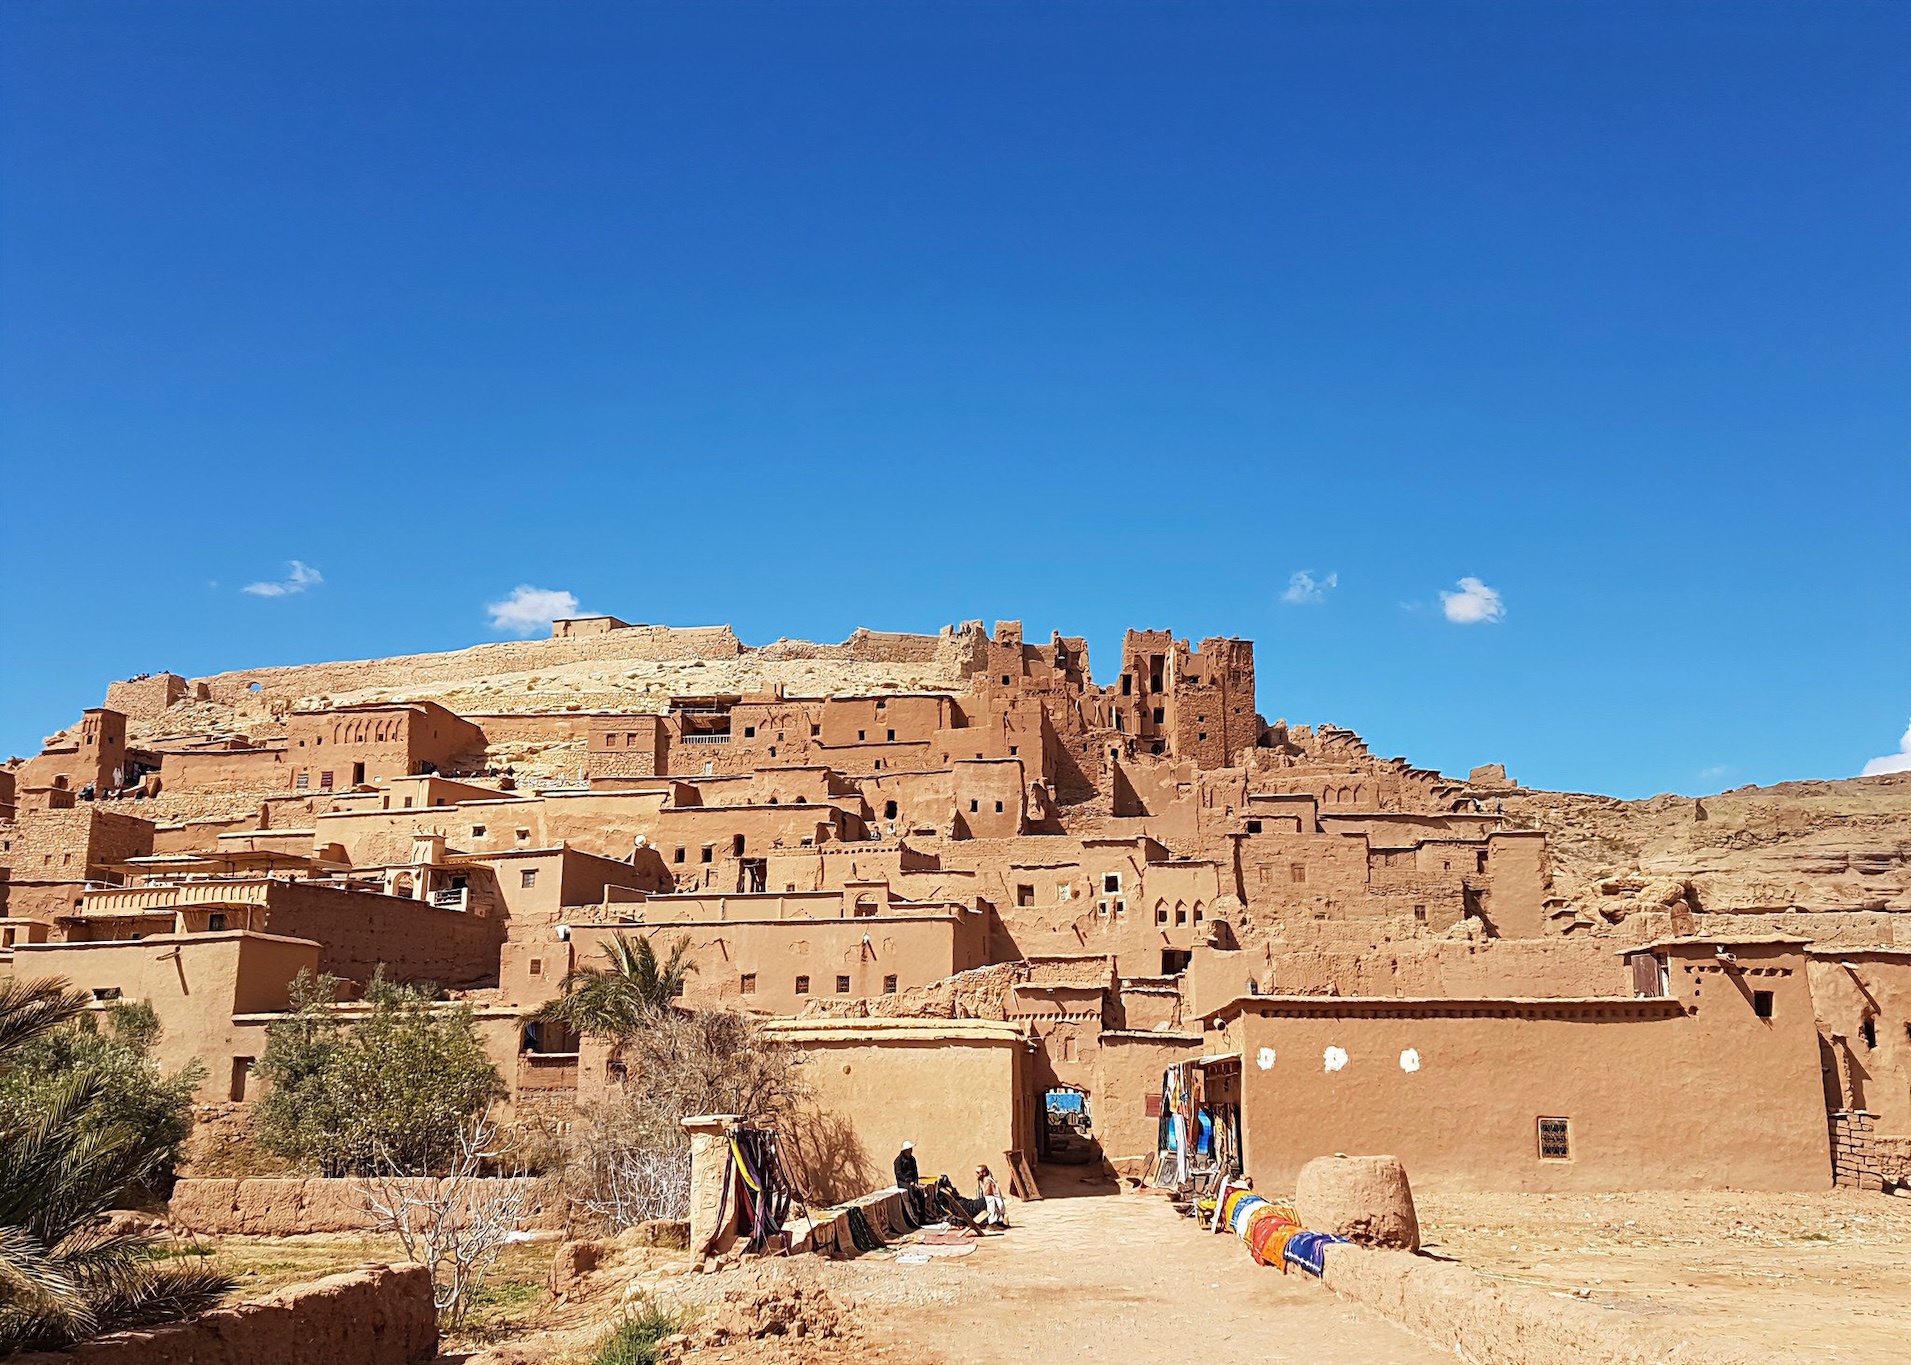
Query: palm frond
{"points": [[29, 1009]]}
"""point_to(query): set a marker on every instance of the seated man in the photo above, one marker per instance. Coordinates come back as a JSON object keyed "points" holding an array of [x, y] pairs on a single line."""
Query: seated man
{"points": [[908, 1180]]}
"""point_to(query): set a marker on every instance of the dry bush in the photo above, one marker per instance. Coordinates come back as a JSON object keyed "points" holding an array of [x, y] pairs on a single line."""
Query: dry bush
{"points": [[459, 1225], [629, 1160]]}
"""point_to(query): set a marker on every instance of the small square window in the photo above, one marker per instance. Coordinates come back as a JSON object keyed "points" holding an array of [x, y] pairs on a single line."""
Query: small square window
{"points": [[1161, 914], [749, 732], [1024, 894], [304, 780], [802, 985], [537, 966], [815, 730], [1180, 915], [709, 852], [889, 985], [1297, 872], [1111, 882], [528, 877], [842, 985], [1420, 914], [975, 807], [1254, 827], [862, 734], [477, 831], [677, 857], [746, 984], [106, 993], [325, 781], [524, 835], [1762, 1004], [1555, 1140], [889, 810], [216, 923], [892, 736]]}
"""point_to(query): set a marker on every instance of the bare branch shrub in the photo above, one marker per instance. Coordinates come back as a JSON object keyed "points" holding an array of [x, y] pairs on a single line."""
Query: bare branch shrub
{"points": [[459, 1224], [629, 1160], [621, 1171]]}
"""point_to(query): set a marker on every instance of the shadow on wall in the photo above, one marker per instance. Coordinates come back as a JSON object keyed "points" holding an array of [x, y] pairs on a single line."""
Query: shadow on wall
{"points": [[827, 1159]]}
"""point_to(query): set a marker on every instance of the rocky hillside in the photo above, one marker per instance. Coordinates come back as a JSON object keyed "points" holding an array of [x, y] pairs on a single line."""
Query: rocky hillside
{"points": [[1823, 846]]}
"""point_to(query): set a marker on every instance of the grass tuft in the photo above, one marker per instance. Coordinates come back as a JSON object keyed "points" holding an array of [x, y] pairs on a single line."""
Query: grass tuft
{"points": [[634, 1341]]}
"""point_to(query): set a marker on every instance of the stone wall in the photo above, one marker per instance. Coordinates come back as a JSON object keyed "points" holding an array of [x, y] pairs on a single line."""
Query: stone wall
{"points": [[261, 1207], [380, 1315]]}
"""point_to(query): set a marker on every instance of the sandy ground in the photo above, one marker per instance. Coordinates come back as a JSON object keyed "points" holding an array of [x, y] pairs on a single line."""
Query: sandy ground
{"points": [[1821, 1277], [1804, 1277], [1119, 1268]]}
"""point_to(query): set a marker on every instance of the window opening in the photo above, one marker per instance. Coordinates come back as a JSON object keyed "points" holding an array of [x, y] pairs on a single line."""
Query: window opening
{"points": [[1555, 1140]]}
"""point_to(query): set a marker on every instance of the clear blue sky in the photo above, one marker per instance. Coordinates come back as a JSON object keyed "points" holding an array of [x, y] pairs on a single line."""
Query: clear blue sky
{"points": [[803, 317]]}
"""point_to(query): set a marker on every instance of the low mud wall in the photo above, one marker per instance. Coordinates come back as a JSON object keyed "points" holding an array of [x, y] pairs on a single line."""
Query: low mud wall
{"points": [[289, 1208], [381, 1315], [1492, 1323]]}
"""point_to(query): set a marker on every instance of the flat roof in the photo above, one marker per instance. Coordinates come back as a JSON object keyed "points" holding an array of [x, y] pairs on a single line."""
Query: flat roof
{"points": [[1720, 940], [1437, 1004], [829, 1029]]}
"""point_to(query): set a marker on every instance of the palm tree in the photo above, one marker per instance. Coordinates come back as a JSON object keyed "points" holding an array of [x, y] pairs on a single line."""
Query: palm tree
{"points": [[64, 1276], [621, 1000]]}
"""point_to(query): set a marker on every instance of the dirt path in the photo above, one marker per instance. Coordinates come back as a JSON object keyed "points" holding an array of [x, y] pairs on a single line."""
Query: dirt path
{"points": [[1127, 1272], [1824, 1276]]}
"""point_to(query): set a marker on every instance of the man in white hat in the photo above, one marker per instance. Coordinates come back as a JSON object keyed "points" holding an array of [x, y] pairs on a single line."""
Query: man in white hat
{"points": [[906, 1173], [908, 1180]]}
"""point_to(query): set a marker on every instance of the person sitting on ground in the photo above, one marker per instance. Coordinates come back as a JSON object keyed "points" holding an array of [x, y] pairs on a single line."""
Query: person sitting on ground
{"points": [[995, 1209], [908, 1180]]}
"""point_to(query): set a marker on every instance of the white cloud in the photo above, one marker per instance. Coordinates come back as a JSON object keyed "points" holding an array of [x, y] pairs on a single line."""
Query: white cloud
{"points": [[1899, 762], [529, 610], [1303, 589], [1473, 604], [298, 578]]}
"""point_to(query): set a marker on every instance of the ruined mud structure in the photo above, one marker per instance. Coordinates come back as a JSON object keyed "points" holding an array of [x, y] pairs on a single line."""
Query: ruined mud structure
{"points": [[966, 878]]}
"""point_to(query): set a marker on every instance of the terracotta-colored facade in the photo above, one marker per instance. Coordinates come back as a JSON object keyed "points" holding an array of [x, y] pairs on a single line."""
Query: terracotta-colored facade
{"points": [[957, 827]]}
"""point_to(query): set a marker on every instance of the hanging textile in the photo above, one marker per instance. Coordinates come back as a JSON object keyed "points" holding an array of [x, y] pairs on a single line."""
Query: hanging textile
{"points": [[1308, 1250], [762, 1187], [861, 1233], [1268, 1239]]}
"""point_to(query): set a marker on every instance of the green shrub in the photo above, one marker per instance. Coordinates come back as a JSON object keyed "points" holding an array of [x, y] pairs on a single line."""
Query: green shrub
{"points": [[634, 1341], [130, 1091], [390, 1087]]}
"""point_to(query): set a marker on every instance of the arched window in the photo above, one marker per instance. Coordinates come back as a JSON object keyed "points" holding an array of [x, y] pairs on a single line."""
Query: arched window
{"points": [[1161, 912]]}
